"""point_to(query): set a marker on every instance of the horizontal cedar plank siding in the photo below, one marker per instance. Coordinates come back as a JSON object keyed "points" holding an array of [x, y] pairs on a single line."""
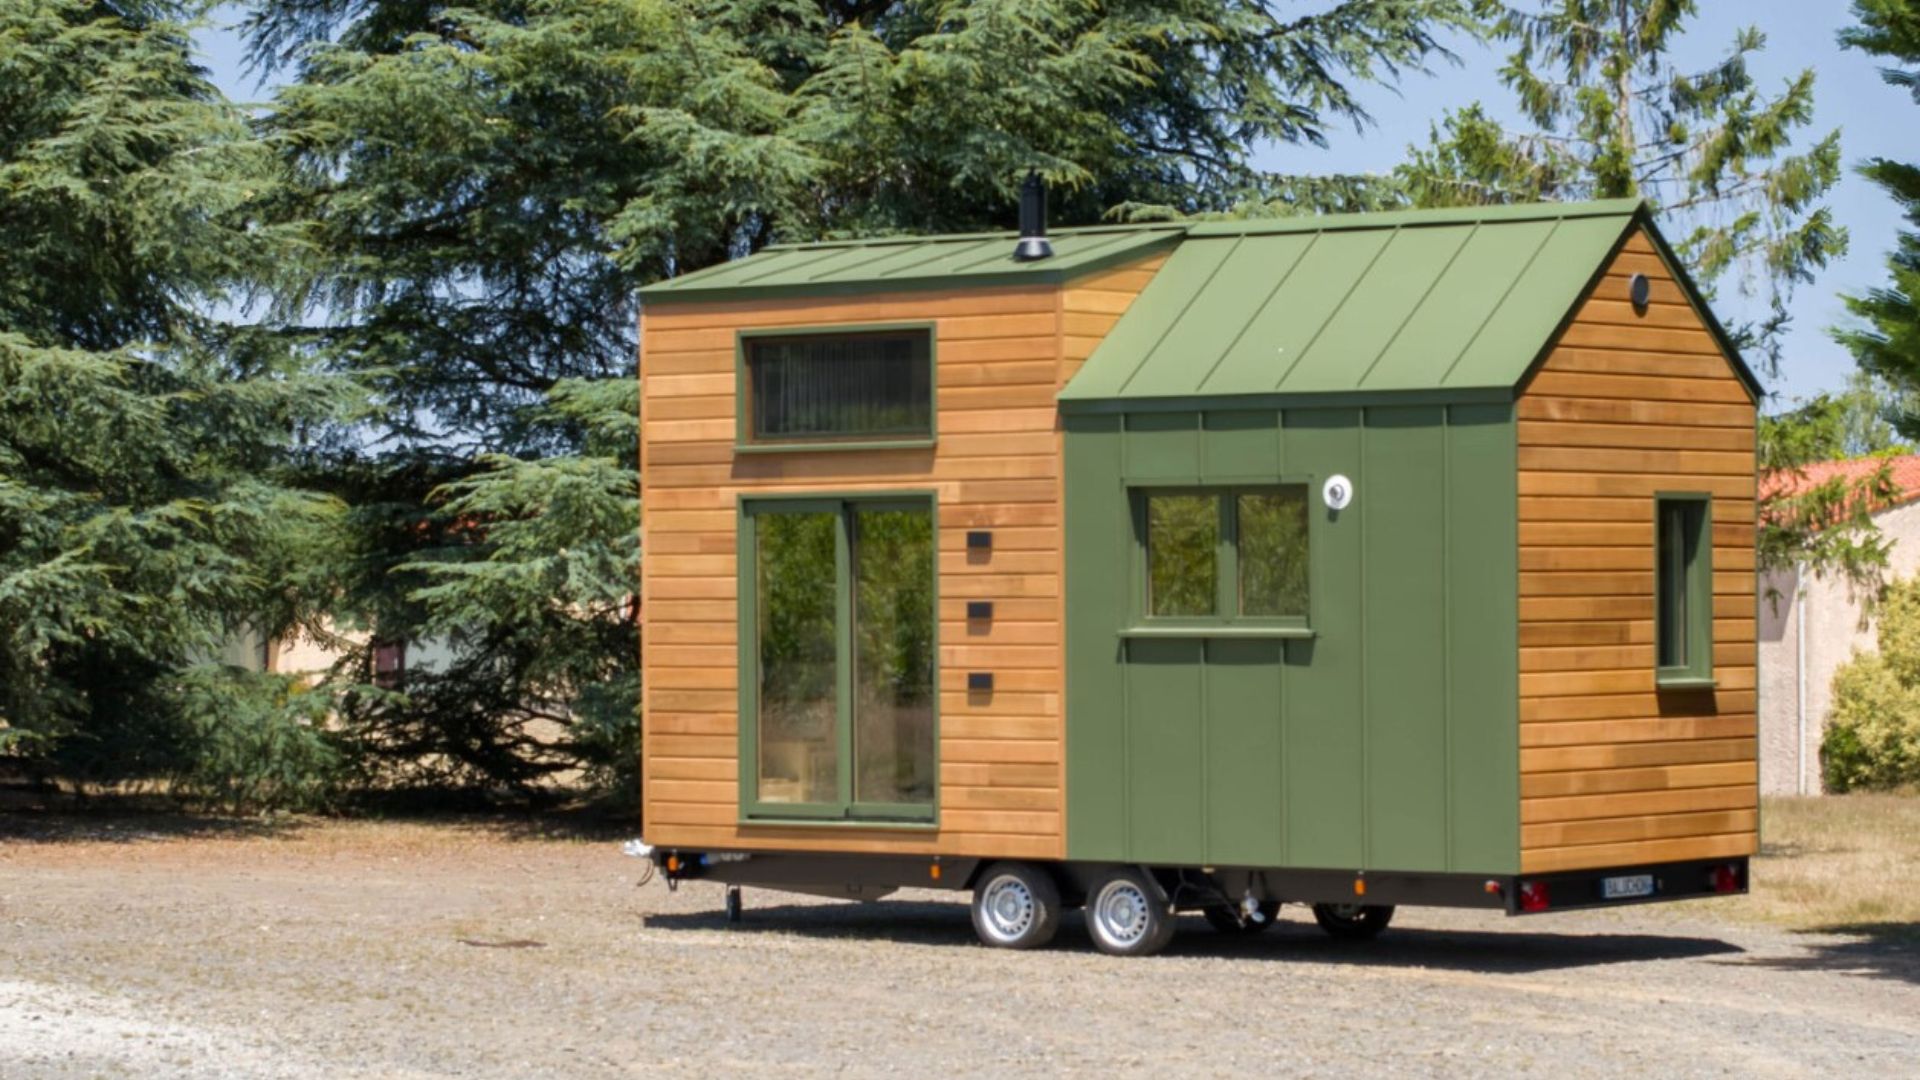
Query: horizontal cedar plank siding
{"points": [[1002, 355], [1614, 772]]}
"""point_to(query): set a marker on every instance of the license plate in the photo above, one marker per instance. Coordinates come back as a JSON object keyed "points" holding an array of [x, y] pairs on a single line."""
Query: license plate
{"points": [[1624, 888]]}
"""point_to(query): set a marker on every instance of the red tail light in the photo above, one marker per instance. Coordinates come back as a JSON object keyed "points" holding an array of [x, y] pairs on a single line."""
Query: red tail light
{"points": [[1725, 879], [1533, 896]]}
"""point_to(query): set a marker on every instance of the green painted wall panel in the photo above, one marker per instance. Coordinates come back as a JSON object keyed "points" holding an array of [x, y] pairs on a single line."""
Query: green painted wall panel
{"points": [[1240, 443], [1095, 512], [1322, 782], [1406, 637], [1243, 722], [1162, 446], [1389, 740], [1165, 704], [1483, 634]]}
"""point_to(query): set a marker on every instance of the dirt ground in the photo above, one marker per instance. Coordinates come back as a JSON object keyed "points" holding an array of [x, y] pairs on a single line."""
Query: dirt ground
{"points": [[184, 947]]}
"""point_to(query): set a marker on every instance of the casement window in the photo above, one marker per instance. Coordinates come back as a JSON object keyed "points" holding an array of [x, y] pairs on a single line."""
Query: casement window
{"points": [[837, 388], [1223, 556], [839, 672], [1683, 590]]}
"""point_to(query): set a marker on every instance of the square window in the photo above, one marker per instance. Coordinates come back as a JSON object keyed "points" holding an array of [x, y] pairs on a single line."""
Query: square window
{"points": [[1226, 555]]}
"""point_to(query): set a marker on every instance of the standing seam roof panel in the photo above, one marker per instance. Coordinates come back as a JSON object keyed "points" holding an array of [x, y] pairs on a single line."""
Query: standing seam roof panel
{"points": [[1533, 309], [1363, 324], [1458, 305]]}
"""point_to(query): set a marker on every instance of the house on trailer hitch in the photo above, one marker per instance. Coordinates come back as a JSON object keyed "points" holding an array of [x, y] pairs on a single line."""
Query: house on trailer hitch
{"points": [[1350, 561]]}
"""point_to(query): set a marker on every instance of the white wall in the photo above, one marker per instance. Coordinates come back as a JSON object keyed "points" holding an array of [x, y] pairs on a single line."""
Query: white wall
{"points": [[1833, 632]]}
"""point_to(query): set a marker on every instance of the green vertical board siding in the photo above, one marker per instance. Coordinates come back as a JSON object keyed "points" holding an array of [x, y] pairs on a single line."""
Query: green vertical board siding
{"points": [[1483, 634], [1096, 520], [1165, 730], [1163, 446], [1322, 782], [1240, 443], [1387, 741], [1406, 637], [1245, 821]]}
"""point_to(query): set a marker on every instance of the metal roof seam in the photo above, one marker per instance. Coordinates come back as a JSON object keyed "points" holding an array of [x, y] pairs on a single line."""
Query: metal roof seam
{"points": [[1333, 314], [1495, 309], [1414, 308], [1257, 312], [1147, 357]]}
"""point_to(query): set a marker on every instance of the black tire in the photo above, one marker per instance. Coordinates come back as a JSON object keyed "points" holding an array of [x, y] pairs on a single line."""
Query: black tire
{"points": [[1353, 922], [1127, 914], [1015, 906], [1227, 919]]}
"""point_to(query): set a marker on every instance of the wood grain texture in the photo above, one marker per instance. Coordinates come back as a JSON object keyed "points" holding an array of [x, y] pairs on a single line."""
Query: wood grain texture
{"points": [[1629, 403], [1002, 354]]}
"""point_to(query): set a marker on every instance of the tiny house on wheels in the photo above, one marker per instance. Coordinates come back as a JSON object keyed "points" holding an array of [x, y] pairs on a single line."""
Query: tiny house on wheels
{"points": [[1350, 561]]}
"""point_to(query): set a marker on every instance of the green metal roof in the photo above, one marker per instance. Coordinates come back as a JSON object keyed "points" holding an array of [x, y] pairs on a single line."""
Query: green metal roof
{"points": [[1452, 300], [963, 260]]}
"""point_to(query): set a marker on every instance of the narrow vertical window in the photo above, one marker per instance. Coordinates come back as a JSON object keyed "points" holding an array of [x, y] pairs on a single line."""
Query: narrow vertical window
{"points": [[1683, 590]]}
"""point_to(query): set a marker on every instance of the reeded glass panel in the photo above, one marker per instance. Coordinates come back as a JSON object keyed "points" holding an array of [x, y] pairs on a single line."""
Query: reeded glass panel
{"points": [[893, 619], [841, 386], [1672, 558], [1273, 552], [1182, 534], [795, 579]]}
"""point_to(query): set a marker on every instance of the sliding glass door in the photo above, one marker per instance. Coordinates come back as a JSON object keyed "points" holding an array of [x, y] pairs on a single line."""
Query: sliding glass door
{"points": [[838, 670]]}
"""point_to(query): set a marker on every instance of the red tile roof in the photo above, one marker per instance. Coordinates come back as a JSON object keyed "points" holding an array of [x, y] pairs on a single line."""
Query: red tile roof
{"points": [[1904, 470]]}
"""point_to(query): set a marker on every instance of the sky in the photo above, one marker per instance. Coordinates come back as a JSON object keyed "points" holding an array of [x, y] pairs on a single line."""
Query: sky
{"points": [[1875, 120]]}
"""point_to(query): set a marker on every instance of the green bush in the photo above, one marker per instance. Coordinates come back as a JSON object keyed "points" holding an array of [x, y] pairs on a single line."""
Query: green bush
{"points": [[1873, 737], [254, 741]]}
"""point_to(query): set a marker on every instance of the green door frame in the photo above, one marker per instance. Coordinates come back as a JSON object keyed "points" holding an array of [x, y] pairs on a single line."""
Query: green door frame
{"points": [[845, 810]]}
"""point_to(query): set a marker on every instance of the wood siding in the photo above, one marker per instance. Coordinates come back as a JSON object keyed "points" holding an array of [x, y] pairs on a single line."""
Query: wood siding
{"points": [[1613, 771], [1001, 356]]}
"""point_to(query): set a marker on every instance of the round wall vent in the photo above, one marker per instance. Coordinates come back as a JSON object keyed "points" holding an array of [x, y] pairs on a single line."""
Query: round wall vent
{"points": [[1640, 289]]}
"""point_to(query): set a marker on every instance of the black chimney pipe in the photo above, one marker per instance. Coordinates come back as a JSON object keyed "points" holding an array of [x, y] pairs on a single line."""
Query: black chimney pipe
{"points": [[1033, 220]]}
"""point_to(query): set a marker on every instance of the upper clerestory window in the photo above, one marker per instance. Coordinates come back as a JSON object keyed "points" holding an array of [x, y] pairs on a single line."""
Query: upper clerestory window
{"points": [[837, 389]]}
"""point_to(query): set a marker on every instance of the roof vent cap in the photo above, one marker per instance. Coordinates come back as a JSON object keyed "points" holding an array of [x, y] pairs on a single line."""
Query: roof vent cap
{"points": [[1033, 244]]}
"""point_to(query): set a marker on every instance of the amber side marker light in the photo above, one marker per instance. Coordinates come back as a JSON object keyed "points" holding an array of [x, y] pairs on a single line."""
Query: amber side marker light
{"points": [[1724, 879], [673, 864], [1534, 896]]}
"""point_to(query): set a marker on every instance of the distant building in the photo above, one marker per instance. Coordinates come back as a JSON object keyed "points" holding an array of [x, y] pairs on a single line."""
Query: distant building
{"points": [[1811, 624]]}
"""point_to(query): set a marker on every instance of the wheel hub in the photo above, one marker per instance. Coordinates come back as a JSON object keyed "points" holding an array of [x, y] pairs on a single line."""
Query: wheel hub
{"points": [[1122, 912], [1009, 908]]}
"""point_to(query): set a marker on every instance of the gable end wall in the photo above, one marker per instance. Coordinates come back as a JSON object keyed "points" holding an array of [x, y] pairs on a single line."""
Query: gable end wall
{"points": [[1627, 404]]}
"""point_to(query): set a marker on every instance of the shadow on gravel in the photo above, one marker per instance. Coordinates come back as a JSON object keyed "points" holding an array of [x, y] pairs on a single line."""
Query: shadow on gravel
{"points": [[120, 827], [1885, 950], [1519, 951]]}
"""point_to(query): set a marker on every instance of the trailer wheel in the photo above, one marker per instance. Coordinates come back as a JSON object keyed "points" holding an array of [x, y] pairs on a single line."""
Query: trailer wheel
{"points": [[1015, 906], [1353, 922], [1127, 914], [1227, 919]]}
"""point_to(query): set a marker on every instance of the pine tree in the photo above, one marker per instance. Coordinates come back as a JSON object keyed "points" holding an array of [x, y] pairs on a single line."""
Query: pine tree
{"points": [[142, 518], [1614, 116], [1885, 338], [484, 186]]}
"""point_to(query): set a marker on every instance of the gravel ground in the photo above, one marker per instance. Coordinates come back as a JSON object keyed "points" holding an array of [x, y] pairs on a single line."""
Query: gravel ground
{"points": [[169, 948]]}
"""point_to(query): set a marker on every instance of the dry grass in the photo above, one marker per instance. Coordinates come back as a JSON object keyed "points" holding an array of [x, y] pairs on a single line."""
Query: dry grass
{"points": [[1840, 863]]}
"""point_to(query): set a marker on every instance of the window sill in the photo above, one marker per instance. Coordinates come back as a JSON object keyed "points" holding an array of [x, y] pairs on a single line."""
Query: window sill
{"points": [[889, 824], [833, 447], [1684, 682], [1255, 633]]}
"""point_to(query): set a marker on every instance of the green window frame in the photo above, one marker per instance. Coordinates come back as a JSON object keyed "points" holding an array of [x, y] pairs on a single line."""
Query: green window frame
{"points": [[749, 439], [1229, 567], [1683, 589], [845, 806]]}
